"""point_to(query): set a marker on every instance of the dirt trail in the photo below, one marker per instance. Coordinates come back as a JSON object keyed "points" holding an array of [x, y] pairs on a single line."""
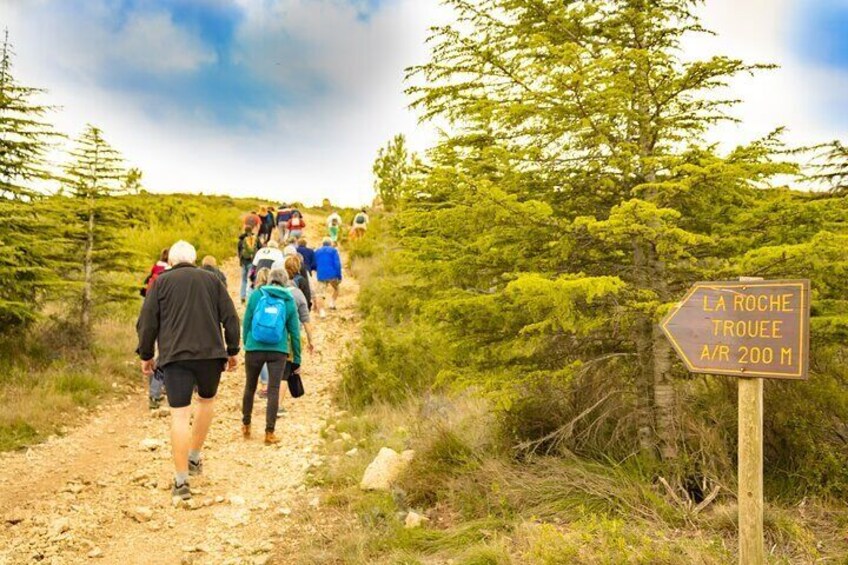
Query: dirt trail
{"points": [[100, 495]]}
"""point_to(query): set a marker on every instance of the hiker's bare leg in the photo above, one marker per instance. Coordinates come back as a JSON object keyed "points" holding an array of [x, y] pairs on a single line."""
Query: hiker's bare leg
{"points": [[203, 415], [180, 437]]}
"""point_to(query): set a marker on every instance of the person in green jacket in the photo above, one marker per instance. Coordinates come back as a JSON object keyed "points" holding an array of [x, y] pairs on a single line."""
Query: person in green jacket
{"points": [[277, 300]]}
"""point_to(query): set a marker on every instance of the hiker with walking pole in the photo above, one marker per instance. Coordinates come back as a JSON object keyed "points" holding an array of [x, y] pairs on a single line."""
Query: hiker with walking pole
{"points": [[183, 314]]}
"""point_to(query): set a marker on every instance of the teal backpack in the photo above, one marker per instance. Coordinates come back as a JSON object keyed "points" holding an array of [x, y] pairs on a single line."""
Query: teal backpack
{"points": [[269, 319]]}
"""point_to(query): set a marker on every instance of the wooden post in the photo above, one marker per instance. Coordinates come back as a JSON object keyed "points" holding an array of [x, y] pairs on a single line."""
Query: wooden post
{"points": [[750, 497], [750, 472]]}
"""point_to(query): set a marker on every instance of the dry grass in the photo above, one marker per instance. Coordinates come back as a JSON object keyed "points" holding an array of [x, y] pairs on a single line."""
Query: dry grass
{"points": [[47, 383], [487, 508]]}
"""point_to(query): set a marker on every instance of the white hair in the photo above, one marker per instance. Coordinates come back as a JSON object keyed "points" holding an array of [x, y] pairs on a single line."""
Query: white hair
{"points": [[278, 276], [182, 252]]}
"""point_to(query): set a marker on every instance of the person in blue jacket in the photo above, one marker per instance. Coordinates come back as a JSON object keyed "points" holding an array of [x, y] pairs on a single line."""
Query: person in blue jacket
{"points": [[308, 255], [270, 323], [328, 267]]}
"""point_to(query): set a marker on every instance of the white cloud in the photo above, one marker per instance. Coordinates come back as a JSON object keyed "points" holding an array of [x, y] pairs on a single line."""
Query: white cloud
{"points": [[151, 42], [315, 149], [345, 74], [793, 95]]}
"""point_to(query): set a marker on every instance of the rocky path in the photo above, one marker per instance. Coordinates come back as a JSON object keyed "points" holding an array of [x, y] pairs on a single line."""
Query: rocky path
{"points": [[102, 493]]}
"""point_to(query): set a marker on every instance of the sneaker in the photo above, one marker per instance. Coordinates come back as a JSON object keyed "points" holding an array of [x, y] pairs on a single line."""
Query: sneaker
{"points": [[271, 439], [281, 411], [195, 469], [322, 313], [245, 431], [154, 403], [182, 491]]}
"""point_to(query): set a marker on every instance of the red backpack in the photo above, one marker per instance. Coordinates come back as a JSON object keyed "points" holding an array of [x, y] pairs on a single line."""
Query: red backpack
{"points": [[157, 270]]}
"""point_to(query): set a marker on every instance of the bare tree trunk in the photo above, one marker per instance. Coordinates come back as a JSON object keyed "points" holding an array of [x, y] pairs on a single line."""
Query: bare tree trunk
{"points": [[665, 396], [644, 391], [88, 271], [652, 272]]}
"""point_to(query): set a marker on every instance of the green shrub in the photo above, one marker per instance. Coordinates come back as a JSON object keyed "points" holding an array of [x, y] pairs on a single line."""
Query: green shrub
{"points": [[82, 388], [15, 434], [485, 554], [606, 541]]}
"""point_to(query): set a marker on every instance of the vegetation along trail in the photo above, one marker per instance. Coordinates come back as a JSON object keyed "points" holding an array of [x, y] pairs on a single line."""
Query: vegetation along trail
{"points": [[103, 491]]}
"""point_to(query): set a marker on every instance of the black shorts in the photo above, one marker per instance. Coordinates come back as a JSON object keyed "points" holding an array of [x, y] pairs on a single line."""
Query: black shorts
{"points": [[182, 376]]}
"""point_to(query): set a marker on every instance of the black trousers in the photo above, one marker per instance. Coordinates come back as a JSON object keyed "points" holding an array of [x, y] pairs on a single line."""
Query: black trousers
{"points": [[253, 361]]}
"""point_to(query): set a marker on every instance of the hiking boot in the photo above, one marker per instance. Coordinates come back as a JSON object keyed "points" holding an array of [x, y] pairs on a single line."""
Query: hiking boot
{"points": [[182, 491], [195, 469], [245, 431], [271, 439], [154, 403]]}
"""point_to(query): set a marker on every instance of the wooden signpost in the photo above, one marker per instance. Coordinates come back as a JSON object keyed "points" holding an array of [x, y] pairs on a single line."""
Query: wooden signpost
{"points": [[752, 329]]}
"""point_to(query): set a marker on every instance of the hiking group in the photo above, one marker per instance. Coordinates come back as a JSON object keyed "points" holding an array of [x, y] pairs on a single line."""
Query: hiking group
{"points": [[189, 330]]}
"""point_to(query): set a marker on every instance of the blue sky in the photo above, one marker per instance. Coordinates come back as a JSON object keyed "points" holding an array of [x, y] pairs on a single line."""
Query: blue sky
{"points": [[822, 32], [290, 99]]}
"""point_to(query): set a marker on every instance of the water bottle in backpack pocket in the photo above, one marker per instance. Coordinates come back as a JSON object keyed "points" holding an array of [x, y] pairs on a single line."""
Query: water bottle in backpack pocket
{"points": [[269, 319]]}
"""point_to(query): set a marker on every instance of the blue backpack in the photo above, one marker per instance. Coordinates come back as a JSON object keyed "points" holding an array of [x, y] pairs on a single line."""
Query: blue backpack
{"points": [[269, 319]]}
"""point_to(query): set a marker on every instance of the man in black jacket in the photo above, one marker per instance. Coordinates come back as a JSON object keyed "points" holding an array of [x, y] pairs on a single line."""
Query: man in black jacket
{"points": [[183, 313]]}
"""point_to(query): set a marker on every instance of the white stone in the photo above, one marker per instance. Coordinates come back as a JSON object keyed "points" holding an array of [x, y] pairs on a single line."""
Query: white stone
{"points": [[151, 444], [141, 514], [352, 452], [237, 500], [59, 526], [384, 469], [414, 520], [95, 553]]}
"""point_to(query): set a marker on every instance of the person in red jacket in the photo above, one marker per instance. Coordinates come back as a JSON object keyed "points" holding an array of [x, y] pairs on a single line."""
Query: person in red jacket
{"points": [[252, 221], [155, 271], [296, 225]]}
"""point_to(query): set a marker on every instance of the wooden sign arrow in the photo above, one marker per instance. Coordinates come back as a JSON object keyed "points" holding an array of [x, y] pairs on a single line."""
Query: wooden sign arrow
{"points": [[745, 329]]}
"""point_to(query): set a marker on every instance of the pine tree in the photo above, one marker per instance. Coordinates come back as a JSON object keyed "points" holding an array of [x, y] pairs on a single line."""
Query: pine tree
{"points": [[24, 136], [391, 169], [830, 167], [93, 177], [581, 122], [132, 181], [27, 255]]}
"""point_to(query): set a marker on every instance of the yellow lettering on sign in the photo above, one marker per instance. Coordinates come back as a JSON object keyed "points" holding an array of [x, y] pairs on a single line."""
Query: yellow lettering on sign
{"points": [[765, 329], [761, 302], [715, 353], [719, 306], [785, 355]]}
